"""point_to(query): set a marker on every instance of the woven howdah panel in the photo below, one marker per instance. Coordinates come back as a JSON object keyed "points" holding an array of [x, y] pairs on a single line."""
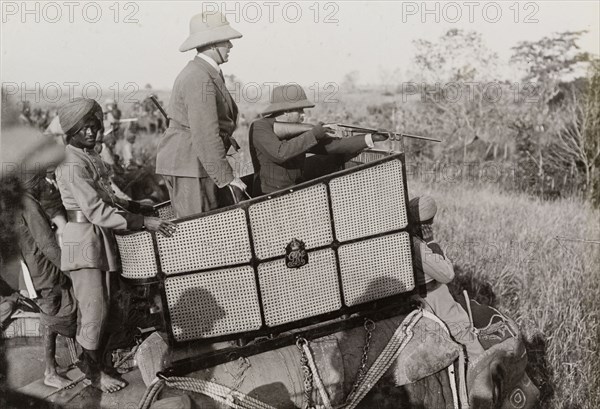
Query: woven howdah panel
{"points": [[207, 242], [370, 156], [137, 255], [376, 268], [244, 268], [303, 214], [166, 212], [291, 294], [210, 304], [369, 202]]}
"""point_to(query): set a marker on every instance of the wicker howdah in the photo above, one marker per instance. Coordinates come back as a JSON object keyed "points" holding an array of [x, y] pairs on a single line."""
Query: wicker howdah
{"points": [[318, 251]]}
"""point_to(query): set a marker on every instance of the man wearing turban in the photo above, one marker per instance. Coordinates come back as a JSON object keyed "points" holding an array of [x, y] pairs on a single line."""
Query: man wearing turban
{"points": [[93, 211], [192, 154], [435, 268]]}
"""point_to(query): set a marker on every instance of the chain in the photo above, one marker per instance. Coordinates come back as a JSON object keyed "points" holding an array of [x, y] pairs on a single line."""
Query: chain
{"points": [[362, 370], [308, 376]]}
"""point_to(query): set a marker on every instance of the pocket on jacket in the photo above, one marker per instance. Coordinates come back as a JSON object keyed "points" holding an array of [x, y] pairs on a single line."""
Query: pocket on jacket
{"points": [[82, 247]]}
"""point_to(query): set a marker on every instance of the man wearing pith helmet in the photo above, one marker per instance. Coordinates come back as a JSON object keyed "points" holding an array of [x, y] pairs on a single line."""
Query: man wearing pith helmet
{"points": [[279, 162], [192, 154]]}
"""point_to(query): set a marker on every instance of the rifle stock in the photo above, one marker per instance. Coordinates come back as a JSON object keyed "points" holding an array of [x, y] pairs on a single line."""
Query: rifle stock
{"points": [[289, 130]]}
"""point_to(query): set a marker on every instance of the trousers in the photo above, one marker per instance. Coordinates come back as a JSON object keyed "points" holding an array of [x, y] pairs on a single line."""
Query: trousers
{"points": [[442, 304], [190, 195], [91, 288]]}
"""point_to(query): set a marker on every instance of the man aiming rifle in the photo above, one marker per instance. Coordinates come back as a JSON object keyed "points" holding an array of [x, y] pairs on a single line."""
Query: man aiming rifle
{"points": [[279, 162]]}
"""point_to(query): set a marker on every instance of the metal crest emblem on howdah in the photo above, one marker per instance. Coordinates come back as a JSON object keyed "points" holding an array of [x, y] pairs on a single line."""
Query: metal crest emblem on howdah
{"points": [[295, 254]]}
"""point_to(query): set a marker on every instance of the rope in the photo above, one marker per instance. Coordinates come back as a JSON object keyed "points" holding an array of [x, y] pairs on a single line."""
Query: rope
{"points": [[468, 304], [461, 358], [387, 357], [219, 393], [452, 379], [464, 402], [151, 393], [462, 383], [308, 376], [237, 400], [128, 355], [69, 386], [72, 350], [316, 377]]}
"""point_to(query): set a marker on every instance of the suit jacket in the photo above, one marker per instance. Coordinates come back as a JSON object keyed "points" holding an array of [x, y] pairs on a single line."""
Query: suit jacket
{"points": [[279, 164], [203, 117], [84, 185]]}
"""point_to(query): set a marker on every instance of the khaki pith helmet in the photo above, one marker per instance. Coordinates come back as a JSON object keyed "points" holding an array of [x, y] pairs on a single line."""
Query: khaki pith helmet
{"points": [[208, 28], [287, 98]]}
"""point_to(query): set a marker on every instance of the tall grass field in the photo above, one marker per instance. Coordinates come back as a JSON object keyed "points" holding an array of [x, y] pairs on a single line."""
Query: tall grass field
{"points": [[509, 251]]}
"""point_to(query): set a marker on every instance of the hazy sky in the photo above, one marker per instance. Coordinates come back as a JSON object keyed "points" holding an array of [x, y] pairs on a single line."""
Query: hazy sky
{"points": [[281, 43]]}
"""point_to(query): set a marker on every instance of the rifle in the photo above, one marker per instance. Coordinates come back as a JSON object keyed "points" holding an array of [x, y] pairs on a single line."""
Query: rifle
{"points": [[286, 130], [359, 129], [161, 109], [289, 130]]}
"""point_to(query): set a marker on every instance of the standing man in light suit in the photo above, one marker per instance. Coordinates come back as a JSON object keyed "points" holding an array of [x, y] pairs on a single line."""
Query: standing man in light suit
{"points": [[192, 154]]}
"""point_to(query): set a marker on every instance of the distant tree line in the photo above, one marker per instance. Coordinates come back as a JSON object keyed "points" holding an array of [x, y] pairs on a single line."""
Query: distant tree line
{"points": [[544, 123]]}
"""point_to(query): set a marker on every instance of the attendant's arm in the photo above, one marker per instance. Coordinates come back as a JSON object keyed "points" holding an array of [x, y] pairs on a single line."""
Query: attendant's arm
{"points": [[96, 210], [436, 266], [342, 146]]}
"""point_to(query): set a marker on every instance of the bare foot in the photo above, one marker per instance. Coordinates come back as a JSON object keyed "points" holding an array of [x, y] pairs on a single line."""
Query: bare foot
{"points": [[54, 380], [108, 384]]}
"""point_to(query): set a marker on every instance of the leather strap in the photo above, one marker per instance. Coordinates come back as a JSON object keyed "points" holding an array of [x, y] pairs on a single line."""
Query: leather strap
{"points": [[176, 125], [432, 286], [76, 216]]}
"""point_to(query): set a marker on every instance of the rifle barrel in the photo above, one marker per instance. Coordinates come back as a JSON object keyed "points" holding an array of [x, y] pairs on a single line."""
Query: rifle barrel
{"points": [[160, 108], [425, 138], [383, 132]]}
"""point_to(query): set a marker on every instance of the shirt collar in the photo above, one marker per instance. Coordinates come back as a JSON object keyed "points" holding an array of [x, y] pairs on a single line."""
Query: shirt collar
{"points": [[87, 151], [209, 60]]}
